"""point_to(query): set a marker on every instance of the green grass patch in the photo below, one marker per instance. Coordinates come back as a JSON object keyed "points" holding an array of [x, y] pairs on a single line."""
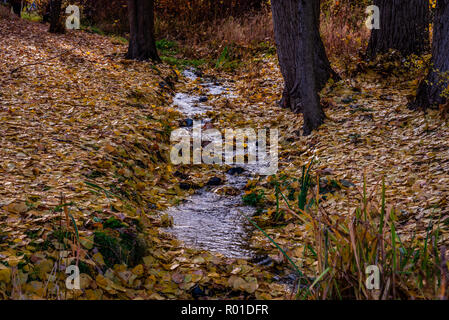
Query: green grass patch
{"points": [[34, 17], [182, 63]]}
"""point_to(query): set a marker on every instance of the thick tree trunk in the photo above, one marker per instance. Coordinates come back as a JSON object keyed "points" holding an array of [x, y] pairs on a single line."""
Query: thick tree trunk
{"points": [[302, 58], [286, 24], [16, 7], [46, 13], [142, 45], [404, 26], [430, 91], [56, 25], [310, 79]]}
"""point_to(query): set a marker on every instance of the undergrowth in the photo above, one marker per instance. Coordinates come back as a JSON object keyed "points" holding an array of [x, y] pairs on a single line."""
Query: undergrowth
{"points": [[346, 246]]}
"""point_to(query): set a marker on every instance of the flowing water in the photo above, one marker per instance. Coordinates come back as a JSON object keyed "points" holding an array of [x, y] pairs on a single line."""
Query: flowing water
{"points": [[208, 220]]}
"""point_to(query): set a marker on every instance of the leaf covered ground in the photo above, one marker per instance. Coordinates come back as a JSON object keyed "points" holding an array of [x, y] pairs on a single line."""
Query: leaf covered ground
{"points": [[85, 141], [85, 173]]}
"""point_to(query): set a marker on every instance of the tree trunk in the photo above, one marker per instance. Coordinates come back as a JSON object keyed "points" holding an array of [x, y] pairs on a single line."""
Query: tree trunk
{"points": [[16, 7], [430, 91], [302, 58], [142, 45], [404, 26], [46, 13], [56, 25]]}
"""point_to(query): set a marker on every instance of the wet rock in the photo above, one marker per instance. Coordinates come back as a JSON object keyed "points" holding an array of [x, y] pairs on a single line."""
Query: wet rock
{"points": [[188, 123], [198, 73], [198, 292], [228, 191], [151, 206], [181, 175], [235, 170], [215, 181], [184, 186], [264, 261], [187, 186], [203, 99]]}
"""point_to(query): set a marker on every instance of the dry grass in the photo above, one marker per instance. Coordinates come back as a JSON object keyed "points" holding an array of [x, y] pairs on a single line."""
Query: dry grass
{"points": [[254, 28], [342, 28], [345, 244], [344, 37]]}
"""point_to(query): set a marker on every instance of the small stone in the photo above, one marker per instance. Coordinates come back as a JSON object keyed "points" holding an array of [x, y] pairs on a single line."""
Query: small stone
{"points": [[198, 73], [235, 170], [188, 123], [215, 181], [198, 292], [185, 186], [181, 175]]}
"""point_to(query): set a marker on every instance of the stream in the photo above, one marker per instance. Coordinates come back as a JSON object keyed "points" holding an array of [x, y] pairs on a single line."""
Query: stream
{"points": [[208, 220]]}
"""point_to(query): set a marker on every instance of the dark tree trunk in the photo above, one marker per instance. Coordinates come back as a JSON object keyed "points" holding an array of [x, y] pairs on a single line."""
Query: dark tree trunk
{"points": [[46, 13], [142, 45], [302, 58], [404, 26], [17, 7], [430, 91], [56, 25]]}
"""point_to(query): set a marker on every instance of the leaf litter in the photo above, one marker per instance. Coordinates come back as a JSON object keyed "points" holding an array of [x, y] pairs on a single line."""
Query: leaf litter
{"points": [[86, 175]]}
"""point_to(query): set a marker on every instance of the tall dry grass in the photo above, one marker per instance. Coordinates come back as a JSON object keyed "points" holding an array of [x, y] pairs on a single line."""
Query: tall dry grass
{"points": [[343, 31], [250, 29], [346, 246]]}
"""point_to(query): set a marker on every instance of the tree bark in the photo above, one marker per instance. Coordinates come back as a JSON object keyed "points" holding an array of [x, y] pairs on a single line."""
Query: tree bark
{"points": [[404, 26], [56, 25], [46, 13], [142, 44], [302, 58], [430, 91], [16, 7]]}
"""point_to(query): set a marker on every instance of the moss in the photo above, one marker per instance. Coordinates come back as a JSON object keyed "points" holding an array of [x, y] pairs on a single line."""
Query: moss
{"points": [[126, 247], [114, 223]]}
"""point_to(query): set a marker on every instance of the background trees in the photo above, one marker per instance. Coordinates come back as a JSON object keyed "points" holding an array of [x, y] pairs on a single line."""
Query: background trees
{"points": [[434, 90], [404, 26]]}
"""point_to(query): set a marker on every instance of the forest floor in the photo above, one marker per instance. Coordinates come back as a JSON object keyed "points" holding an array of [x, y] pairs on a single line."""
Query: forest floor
{"points": [[85, 172]]}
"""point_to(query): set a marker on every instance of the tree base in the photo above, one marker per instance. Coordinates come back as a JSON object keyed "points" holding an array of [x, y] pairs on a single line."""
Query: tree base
{"points": [[311, 123], [58, 28], [143, 56], [17, 8]]}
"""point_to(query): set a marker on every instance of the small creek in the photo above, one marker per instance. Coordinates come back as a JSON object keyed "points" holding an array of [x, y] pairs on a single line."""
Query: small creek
{"points": [[208, 220]]}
